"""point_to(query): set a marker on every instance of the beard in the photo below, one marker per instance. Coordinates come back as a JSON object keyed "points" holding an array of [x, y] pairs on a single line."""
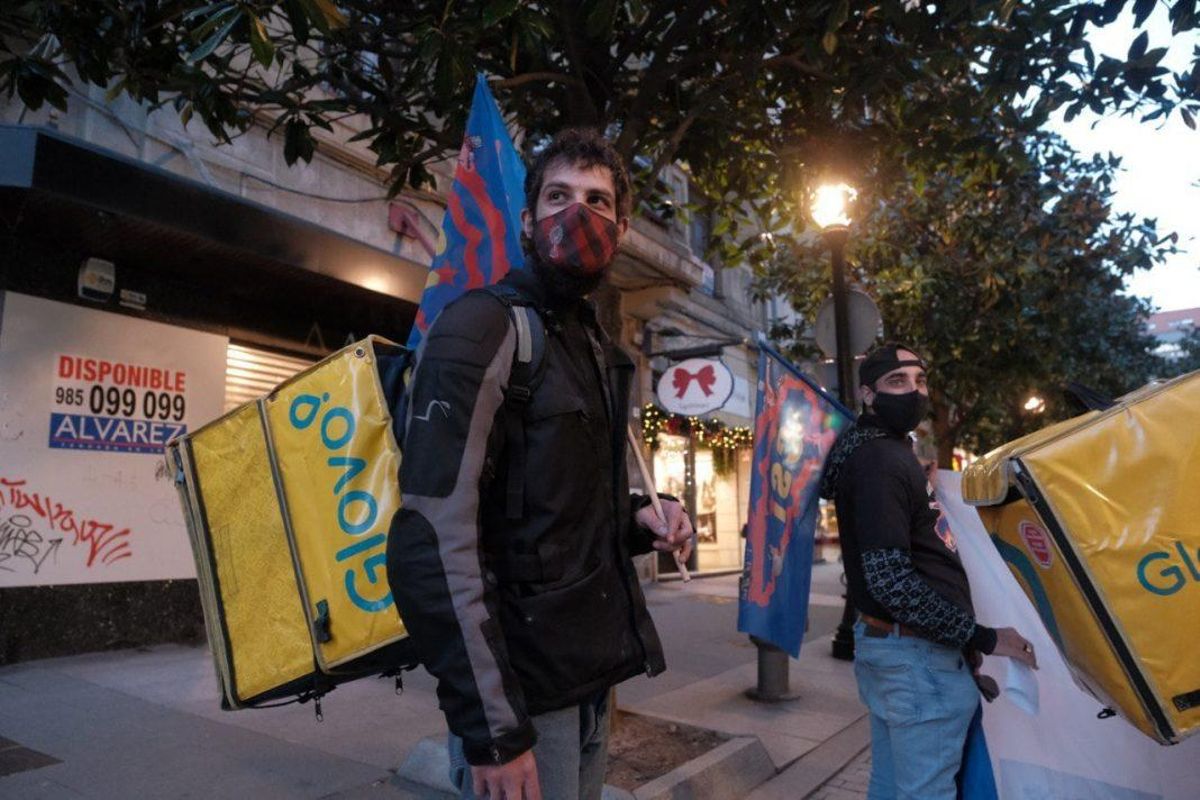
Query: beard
{"points": [[563, 286]]}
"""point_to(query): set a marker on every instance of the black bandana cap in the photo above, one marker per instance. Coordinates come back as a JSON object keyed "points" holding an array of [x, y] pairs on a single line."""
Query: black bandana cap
{"points": [[883, 359]]}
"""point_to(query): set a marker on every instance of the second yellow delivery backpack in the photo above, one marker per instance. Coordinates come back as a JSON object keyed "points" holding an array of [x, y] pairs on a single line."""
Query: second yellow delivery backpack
{"points": [[1098, 518]]}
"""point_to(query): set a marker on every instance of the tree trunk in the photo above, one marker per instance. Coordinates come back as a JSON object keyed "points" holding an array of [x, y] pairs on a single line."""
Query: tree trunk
{"points": [[945, 433]]}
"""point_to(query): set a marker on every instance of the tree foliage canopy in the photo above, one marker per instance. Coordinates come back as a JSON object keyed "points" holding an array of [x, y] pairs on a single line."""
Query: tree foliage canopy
{"points": [[1011, 288], [755, 96], [1189, 355], [988, 243]]}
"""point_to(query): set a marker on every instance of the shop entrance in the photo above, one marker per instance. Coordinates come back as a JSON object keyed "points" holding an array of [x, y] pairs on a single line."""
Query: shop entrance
{"points": [[715, 485]]}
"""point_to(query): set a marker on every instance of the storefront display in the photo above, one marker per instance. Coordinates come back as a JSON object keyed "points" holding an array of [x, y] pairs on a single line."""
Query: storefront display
{"points": [[707, 465]]}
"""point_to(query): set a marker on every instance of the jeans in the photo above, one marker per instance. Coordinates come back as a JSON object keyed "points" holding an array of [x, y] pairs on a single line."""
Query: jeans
{"points": [[921, 698], [571, 752]]}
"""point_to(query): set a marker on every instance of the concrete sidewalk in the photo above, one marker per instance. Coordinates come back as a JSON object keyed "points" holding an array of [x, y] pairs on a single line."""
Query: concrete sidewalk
{"points": [[146, 722]]}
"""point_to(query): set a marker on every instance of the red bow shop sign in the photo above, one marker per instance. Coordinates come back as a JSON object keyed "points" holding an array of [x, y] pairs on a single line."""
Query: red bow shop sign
{"points": [[696, 386]]}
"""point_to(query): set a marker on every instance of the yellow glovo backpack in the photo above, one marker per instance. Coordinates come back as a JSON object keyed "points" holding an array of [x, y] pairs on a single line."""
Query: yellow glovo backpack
{"points": [[1098, 517], [288, 500]]}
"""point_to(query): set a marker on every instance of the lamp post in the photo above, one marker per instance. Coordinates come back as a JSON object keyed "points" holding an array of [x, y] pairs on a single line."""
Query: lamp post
{"points": [[831, 211]]}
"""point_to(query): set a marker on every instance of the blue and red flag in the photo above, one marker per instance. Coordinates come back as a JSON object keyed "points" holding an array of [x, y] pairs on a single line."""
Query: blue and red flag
{"points": [[481, 232], [975, 779], [795, 426]]}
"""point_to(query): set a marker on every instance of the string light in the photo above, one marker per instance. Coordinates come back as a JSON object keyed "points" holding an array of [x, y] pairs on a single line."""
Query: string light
{"points": [[711, 434]]}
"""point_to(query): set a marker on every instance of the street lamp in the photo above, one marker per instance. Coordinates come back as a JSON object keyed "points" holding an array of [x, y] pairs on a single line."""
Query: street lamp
{"points": [[831, 210], [831, 205], [1035, 404]]}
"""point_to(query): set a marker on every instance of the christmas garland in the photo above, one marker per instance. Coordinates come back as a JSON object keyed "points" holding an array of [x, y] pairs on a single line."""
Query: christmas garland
{"points": [[709, 434]]}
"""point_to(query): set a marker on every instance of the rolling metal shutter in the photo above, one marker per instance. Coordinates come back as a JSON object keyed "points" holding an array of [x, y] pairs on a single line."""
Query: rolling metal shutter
{"points": [[251, 372]]}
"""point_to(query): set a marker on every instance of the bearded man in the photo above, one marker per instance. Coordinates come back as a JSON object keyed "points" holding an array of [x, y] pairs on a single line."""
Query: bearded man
{"points": [[510, 558], [917, 646]]}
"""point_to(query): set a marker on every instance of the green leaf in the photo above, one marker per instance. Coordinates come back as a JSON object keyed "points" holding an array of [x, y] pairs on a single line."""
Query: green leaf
{"points": [[260, 42], [204, 11], [362, 136], [1138, 48], [599, 20], [320, 122], [429, 44], [298, 144], [1150, 58], [324, 14], [298, 19], [231, 11], [637, 11], [838, 16], [829, 42], [498, 11], [114, 91], [333, 16], [1183, 16], [1141, 10], [1109, 68], [205, 50], [538, 24]]}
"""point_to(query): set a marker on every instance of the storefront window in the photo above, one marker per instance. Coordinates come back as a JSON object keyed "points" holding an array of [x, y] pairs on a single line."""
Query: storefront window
{"points": [[670, 465], [719, 504]]}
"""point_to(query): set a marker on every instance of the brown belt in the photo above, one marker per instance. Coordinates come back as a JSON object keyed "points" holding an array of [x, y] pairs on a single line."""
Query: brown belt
{"points": [[887, 627]]}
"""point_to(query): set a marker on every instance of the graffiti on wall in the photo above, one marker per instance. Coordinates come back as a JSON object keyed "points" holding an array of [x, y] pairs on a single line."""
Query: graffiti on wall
{"points": [[35, 526]]}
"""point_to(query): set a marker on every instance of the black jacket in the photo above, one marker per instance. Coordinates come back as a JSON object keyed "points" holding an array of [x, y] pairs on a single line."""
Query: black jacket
{"points": [[517, 618]]}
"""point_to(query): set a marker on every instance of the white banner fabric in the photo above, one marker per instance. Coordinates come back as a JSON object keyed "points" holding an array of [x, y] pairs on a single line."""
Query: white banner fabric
{"points": [[1043, 734]]}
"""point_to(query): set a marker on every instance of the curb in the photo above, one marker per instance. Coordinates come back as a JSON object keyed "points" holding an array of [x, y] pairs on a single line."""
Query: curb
{"points": [[730, 770], [818, 766], [427, 770], [428, 765]]}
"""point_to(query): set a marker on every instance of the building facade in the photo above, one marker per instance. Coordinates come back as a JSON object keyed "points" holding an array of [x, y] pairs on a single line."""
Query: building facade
{"points": [[1170, 328], [201, 275]]}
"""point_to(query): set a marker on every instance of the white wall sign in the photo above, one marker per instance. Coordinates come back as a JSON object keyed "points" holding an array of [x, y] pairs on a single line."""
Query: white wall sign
{"points": [[696, 386], [87, 401], [740, 402]]}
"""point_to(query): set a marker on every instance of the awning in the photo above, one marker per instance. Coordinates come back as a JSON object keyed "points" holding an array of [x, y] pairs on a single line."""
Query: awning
{"points": [[68, 190]]}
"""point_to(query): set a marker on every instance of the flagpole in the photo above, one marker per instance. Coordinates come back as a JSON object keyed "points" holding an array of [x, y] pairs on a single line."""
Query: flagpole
{"points": [[648, 482]]}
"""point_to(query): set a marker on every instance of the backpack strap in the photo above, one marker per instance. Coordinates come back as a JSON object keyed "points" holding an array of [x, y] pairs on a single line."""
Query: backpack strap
{"points": [[527, 370]]}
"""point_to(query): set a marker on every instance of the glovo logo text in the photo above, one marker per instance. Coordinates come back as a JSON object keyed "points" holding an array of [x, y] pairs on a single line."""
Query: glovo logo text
{"points": [[357, 509], [1162, 571]]}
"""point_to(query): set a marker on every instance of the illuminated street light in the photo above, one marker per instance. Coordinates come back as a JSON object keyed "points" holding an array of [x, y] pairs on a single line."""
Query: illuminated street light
{"points": [[1035, 404], [831, 205]]}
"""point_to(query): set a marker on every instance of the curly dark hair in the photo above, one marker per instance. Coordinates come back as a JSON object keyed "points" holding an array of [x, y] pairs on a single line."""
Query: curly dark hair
{"points": [[584, 147]]}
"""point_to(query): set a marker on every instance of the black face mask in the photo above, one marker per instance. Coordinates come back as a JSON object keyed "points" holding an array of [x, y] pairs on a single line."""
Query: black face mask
{"points": [[900, 413]]}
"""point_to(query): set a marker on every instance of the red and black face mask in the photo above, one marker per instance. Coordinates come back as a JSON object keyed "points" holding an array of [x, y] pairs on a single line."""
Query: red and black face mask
{"points": [[576, 240]]}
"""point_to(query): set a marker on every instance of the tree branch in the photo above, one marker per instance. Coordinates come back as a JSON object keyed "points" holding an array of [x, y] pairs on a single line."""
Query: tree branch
{"points": [[657, 75], [667, 154], [534, 77], [792, 60]]}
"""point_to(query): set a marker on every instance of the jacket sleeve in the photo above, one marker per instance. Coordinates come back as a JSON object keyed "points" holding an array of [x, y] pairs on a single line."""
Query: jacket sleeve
{"points": [[434, 551], [894, 583], [891, 578]]}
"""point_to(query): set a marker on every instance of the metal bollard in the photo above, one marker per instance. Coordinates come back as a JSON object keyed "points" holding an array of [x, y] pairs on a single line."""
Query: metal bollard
{"points": [[772, 674]]}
